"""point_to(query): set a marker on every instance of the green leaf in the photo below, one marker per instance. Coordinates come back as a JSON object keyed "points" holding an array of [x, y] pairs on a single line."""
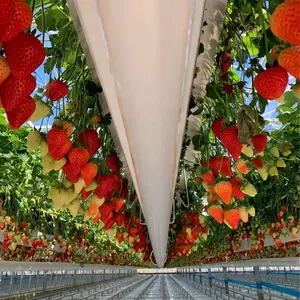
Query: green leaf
{"points": [[290, 99], [262, 102], [253, 50], [51, 19]]}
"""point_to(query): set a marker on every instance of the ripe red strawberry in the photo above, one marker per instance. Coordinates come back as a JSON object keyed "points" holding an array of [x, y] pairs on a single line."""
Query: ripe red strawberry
{"points": [[24, 55], [90, 139], [18, 116], [225, 62], [228, 89], [112, 162], [124, 192], [85, 194], [216, 211], [271, 83], [106, 210], [120, 237], [217, 127], [215, 164], [224, 190], [225, 168], [79, 157], [89, 172], [59, 144], [120, 219], [6, 15], [14, 90], [232, 218], [258, 162], [72, 172], [229, 138], [22, 18], [241, 85], [56, 90], [105, 185], [220, 165], [259, 142], [236, 188], [208, 177], [133, 231]]}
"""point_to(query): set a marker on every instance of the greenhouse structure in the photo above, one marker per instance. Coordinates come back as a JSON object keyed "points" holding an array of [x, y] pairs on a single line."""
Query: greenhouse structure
{"points": [[150, 149]]}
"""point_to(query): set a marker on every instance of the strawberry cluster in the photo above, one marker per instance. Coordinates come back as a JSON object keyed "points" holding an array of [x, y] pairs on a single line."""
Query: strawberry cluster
{"points": [[190, 232], [24, 53], [223, 176], [284, 23]]}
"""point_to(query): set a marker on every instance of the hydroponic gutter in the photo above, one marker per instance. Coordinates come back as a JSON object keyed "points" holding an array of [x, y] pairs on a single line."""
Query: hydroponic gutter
{"points": [[144, 54], [214, 15]]}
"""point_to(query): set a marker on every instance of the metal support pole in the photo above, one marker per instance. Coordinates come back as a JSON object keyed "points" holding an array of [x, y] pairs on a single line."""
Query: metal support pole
{"points": [[45, 281], [209, 278], [259, 289], [11, 283], [200, 277], [226, 280], [21, 281]]}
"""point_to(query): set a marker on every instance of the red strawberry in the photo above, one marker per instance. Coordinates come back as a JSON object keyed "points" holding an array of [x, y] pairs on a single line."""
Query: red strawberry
{"points": [[215, 164], [232, 218], [229, 138], [59, 144], [118, 203], [225, 169], [225, 62], [109, 223], [259, 142], [112, 162], [120, 237], [5, 245], [56, 90], [258, 162], [228, 89], [216, 211], [106, 211], [24, 54], [85, 194], [89, 172], [105, 185], [14, 90], [271, 83], [18, 116], [220, 165], [241, 85], [79, 157], [124, 192], [120, 219], [21, 20], [90, 139], [133, 231], [217, 127], [236, 188], [224, 190], [72, 172], [6, 15], [208, 177]]}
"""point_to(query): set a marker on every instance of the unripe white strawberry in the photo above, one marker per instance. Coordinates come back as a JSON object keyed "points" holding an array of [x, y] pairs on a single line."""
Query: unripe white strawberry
{"points": [[34, 140], [41, 110]]}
